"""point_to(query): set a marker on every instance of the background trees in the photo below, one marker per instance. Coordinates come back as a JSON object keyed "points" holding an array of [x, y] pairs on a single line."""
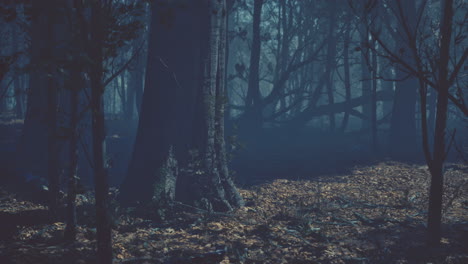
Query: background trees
{"points": [[304, 86]]}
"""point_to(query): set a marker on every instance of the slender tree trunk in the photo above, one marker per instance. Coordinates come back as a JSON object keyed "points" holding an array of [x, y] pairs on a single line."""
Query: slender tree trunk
{"points": [[114, 96], [403, 122], [70, 230], [104, 243], [366, 83], [253, 112], [131, 90], [52, 165], [374, 140], [387, 85], [123, 94], [75, 84], [331, 54], [213, 90], [436, 168], [347, 76], [431, 105], [232, 194], [52, 101], [19, 103], [282, 53]]}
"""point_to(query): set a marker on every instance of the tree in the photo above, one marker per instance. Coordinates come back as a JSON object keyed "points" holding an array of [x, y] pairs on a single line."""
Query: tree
{"points": [[436, 72], [436, 163], [179, 148], [331, 60], [253, 111], [33, 142], [76, 84], [403, 120], [40, 125], [95, 49]]}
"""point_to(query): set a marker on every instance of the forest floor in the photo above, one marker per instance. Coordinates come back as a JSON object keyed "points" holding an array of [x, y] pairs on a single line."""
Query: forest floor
{"points": [[375, 214]]}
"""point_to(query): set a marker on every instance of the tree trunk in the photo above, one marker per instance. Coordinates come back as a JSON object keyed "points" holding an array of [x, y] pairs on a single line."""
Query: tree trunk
{"points": [[252, 118], [436, 166], [366, 82], [70, 230], [176, 100], [52, 146], [374, 140], [76, 84], [387, 85], [232, 195], [104, 243], [330, 67], [19, 96], [347, 76], [32, 154], [403, 122], [215, 168]]}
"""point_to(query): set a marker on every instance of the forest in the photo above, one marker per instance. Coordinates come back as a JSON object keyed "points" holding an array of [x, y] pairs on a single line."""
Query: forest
{"points": [[233, 131]]}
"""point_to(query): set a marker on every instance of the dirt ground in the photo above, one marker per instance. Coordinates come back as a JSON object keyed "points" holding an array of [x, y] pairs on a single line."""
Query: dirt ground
{"points": [[376, 214]]}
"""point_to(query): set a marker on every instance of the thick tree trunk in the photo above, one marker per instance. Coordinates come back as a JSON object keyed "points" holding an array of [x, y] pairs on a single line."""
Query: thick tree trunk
{"points": [[156, 126], [33, 143], [176, 101]]}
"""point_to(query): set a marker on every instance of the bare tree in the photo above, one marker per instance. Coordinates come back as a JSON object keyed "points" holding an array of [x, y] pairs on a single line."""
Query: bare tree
{"points": [[433, 68]]}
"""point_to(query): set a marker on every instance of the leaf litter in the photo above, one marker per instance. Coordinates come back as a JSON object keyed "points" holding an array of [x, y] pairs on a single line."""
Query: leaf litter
{"points": [[374, 214]]}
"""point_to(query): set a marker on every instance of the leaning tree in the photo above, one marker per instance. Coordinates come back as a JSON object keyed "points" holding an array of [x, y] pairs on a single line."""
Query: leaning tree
{"points": [[179, 150]]}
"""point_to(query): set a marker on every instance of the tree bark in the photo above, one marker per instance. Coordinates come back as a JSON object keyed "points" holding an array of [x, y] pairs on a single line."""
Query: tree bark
{"points": [[104, 243], [347, 75], [374, 139], [76, 84], [19, 90], [32, 154], [436, 166], [176, 100], [252, 118], [403, 122], [330, 67], [232, 195], [366, 81], [52, 102], [70, 230]]}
